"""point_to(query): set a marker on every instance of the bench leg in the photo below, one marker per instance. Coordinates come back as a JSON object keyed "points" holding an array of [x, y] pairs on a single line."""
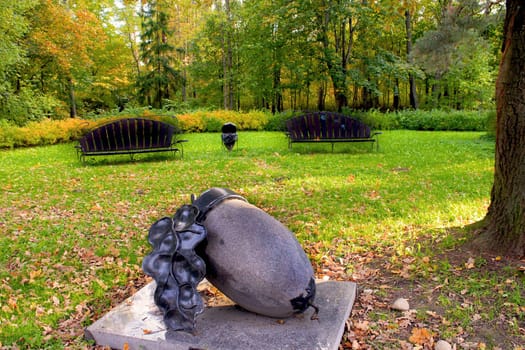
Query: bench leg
{"points": [[181, 150]]}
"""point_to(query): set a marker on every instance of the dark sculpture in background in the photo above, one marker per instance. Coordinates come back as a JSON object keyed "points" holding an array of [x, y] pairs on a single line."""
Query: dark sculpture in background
{"points": [[244, 252], [229, 135]]}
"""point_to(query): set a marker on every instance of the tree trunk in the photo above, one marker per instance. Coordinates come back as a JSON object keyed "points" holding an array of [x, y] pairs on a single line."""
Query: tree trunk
{"points": [[277, 103], [503, 229], [411, 79], [72, 99], [227, 64], [134, 51], [396, 95], [321, 97]]}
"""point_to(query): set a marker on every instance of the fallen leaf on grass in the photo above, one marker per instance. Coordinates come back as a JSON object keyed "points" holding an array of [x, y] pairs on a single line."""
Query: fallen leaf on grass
{"points": [[361, 325], [433, 314], [420, 336], [470, 264], [12, 302], [97, 207]]}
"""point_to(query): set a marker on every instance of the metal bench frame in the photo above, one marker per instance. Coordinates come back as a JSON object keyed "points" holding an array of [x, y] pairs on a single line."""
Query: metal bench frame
{"points": [[329, 127], [130, 136]]}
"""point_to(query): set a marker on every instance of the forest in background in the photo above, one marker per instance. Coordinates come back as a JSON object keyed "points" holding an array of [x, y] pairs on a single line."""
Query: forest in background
{"points": [[61, 58]]}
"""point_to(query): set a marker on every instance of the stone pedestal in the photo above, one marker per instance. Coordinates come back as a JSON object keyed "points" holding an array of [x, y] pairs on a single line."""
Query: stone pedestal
{"points": [[137, 324]]}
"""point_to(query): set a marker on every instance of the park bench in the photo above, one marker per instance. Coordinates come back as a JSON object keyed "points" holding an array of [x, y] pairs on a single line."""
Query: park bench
{"points": [[130, 136], [329, 127]]}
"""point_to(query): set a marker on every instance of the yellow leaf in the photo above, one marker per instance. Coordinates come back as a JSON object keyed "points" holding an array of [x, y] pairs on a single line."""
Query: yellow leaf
{"points": [[420, 336], [34, 274], [125, 346], [470, 264], [96, 207], [101, 284], [12, 302], [6, 309]]}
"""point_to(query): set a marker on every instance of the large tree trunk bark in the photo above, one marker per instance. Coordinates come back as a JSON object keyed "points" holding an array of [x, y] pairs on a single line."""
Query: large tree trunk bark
{"points": [[503, 228]]}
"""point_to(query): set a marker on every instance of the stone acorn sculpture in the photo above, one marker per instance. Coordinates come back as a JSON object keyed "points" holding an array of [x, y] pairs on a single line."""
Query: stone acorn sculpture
{"points": [[247, 254]]}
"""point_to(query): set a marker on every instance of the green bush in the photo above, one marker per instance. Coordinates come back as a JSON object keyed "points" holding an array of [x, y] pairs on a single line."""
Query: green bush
{"points": [[212, 124], [7, 134], [442, 120], [491, 124], [27, 106], [277, 122], [378, 120]]}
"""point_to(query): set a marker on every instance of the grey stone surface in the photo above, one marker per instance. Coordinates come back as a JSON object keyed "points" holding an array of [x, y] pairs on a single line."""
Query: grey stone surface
{"points": [[254, 259], [137, 324]]}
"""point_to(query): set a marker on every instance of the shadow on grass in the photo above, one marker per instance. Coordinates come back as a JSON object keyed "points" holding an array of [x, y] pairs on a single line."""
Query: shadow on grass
{"points": [[126, 159], [326, 148]]}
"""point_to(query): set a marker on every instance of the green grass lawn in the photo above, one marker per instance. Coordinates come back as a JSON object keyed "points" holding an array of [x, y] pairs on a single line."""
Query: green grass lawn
{"points": [[73, 236]]}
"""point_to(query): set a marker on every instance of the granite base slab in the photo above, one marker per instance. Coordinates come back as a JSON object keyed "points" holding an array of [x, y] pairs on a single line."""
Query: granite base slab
{"points": [[137, 324]]}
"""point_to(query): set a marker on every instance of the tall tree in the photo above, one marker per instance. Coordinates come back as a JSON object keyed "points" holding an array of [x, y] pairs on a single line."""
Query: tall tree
{"points": [[504, 225], [270, 51], [443, 50], [187, 19], [130, 28], [227, 58], [336, 27], [61, 44], [13, 26], [159, 78], [411, 77]]}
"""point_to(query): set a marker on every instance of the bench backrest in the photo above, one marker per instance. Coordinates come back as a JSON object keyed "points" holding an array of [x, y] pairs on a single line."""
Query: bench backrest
{"points": [[128, 134], [326, 125]]}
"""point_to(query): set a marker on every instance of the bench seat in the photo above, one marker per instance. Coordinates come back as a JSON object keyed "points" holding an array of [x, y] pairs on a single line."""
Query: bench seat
{"points": [[328, 127], [130, 136]]}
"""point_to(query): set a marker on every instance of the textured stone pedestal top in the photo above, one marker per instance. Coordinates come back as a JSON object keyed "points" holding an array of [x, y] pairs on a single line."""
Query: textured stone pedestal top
{"points": [[137, 324]]}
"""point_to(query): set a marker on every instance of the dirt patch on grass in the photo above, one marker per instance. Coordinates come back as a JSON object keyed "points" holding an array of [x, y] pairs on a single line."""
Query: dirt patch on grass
{"points": [[476, 303]]}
